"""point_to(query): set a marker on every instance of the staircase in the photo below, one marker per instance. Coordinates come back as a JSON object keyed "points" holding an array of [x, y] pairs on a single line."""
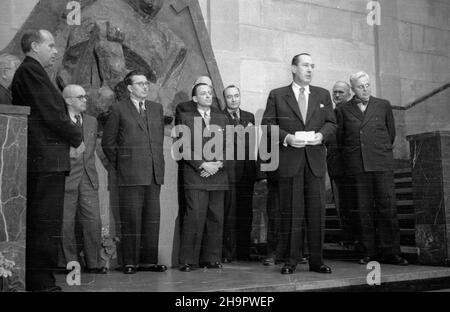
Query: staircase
{"points": [[405, 213]]}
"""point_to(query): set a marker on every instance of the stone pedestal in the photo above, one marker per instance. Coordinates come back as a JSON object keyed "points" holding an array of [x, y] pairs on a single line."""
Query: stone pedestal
{"points": [[13, 182], [430, 159]]}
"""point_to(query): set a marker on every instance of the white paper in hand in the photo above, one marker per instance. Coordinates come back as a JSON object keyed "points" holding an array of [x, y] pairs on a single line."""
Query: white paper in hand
{"points": [[305, 135]]}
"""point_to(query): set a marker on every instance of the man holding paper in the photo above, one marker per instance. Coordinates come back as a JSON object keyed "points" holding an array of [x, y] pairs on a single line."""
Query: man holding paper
{"points": [[305, 117]]}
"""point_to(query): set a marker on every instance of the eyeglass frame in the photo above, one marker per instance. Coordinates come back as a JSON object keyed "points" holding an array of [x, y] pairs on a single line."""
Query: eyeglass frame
{"points": [[142, 83], [80, 97]]}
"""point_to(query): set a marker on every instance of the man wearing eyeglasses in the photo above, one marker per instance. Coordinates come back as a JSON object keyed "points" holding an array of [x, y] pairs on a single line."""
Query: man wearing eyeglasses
{"points": [[133, 142], [81, 192], [304, 116], [8, 66], [366, 134]]}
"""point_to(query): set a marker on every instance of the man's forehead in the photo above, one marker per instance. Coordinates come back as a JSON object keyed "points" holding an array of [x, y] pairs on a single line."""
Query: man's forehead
{"points": [[231, 91], [139, 78], [305, 59], [203, 88]]}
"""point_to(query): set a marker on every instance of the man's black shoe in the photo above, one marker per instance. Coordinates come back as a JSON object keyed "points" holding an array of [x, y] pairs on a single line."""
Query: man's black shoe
{"points": [[102, 270], [395, 259], [129, 269], [288, 269], [185, 268], [50, 289], [153, 268], [210, 265], [366, 260], [321, 269], [269, 261]]}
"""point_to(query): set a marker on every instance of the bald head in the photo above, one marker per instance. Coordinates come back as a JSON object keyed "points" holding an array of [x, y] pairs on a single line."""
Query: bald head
{"points": [[75, 98], [8, 67], [341, 92]]}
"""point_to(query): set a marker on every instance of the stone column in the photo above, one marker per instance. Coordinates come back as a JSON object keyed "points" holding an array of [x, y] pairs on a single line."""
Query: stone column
{"points": [[430, 160], [13, 187]]}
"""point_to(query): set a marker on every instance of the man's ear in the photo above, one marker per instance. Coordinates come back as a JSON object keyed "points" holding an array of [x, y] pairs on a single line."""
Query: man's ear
{"points": [[34, 46], [129, 88], [194, 98], [293, 69]]}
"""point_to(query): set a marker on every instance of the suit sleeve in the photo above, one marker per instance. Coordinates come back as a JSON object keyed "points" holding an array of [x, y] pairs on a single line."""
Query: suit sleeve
{"points": [[270, 118], [181, 120], [51, 111], [109, 139], [328, 130], [390, 123], [340, 127]]}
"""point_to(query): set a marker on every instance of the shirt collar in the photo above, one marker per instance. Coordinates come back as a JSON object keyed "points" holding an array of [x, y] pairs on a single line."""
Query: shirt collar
{"points": [[72, 116], [296, 87], [136, 103], [202, 112], [238, 112]]}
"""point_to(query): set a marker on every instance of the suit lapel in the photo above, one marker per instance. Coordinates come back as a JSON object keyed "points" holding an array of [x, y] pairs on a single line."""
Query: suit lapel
{"points": [[136, 115], [312, 104], [354, 109], [292, 101], [369, 111]]}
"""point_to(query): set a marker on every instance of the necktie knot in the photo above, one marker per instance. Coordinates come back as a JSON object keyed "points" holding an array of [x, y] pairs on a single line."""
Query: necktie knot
{"points": [[302, 90]]}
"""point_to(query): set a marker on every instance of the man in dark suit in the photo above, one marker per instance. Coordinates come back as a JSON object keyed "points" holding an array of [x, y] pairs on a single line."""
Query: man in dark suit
{"points": [[50, 133], [366, 134], [81, 192], [8, 67], [340, 184], [301, 172], [241, 175], [191, 106], [133, 140], [204, 180]]}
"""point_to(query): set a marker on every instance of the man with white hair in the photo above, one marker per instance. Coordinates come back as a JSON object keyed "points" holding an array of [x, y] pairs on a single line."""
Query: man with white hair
{"points": [[366, 134], [8, 67]]}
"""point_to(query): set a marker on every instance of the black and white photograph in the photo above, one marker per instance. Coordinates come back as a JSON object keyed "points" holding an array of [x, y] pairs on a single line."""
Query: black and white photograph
{"points": [[225, 152]]}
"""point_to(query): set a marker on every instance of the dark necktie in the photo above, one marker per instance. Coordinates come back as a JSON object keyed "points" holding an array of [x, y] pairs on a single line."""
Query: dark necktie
{"points": [[78, 120], [302, 103], [236, 118], [142, 113], [141, 109], [363, 106]]}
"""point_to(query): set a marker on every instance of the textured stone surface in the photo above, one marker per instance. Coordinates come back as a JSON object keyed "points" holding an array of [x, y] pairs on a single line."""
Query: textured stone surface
{"points": [[430, 155], [13, 142]]}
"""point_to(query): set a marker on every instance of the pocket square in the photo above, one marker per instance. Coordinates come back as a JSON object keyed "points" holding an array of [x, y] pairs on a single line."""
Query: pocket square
{"points": [[322, 106]]}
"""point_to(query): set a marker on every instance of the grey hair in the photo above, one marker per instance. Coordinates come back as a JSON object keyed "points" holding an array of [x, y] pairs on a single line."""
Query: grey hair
{"points": [[358, 75]]}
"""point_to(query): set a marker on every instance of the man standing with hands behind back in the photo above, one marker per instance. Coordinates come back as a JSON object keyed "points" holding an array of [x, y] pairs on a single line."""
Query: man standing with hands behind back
{"points": [[302, 165], [366, 134], [50, 133]]}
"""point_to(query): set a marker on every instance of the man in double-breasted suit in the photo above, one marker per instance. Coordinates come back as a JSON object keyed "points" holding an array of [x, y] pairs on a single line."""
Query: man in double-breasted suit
{"points": [[50, 133], [133, 141], [205, 181], [241, 174], [366, 134], [302, 165], [81, 200]]}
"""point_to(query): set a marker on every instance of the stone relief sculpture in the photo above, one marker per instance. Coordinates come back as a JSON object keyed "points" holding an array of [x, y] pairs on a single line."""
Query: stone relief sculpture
{"points": [[117, 36]]}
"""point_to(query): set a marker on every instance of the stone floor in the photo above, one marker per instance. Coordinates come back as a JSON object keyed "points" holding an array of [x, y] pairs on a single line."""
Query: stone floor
{"points": [[251, 276]]}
